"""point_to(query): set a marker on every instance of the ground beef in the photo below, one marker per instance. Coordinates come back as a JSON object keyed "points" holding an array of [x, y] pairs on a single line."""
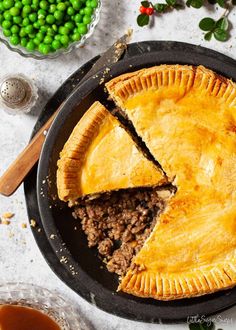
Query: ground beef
{"points": [[118, 223]]}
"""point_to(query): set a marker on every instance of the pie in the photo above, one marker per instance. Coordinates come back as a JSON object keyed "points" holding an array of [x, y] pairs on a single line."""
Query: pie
{"points": [[186, 116], [101, 156]]}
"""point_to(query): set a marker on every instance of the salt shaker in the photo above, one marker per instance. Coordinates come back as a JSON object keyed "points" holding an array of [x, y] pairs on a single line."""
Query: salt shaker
{"points": [[17, 94]]}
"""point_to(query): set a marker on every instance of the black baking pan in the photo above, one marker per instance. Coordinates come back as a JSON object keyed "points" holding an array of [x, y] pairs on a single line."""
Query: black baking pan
{"points": [[66, 249]]}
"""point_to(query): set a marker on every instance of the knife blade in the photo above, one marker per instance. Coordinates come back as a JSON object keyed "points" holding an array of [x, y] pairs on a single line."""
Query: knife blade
{"points": [[18, 170]]}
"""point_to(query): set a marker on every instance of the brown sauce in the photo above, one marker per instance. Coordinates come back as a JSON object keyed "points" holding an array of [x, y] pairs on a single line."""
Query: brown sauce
{"points": [[14, 317]]}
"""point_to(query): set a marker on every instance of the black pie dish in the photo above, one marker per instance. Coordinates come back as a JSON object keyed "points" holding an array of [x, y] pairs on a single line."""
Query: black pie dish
{"points": [[66, 249]]}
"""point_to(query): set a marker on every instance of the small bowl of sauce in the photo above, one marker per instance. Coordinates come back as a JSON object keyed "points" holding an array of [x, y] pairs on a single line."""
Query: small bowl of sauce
{"points": [[13, 317], [30, 307]]}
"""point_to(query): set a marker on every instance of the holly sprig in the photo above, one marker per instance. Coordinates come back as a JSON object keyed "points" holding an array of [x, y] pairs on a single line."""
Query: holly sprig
{"points": [[217, 28]]}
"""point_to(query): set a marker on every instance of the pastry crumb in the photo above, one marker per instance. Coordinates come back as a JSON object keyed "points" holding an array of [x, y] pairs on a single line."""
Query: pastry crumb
{"points": [[8, 215], [24, 225], [39, 230], [52, 236], [5, 222], [33, 223]]}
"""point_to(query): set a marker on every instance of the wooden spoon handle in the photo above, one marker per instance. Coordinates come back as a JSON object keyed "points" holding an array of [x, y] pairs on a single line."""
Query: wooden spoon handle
{"points": [[19, 169]]}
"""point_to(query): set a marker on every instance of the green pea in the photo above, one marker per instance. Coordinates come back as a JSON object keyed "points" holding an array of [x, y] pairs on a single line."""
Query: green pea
{"points": [[15, 29], [70, 11], [40, 36], [25, 21], [44, 29], [6, 24], [48, 40], [22, 33], [56, 44], [30, 45], [36, 41], [7, 4], [44, 49], [17, 20], [6, 32], [33, 17], [76, 36], [26, 10], [24, 42], [58, 15], [78, 18], [64, 39], [14, 40], [29, 29], [50, 31], [54, 27], [82, 11], [69, 25], [42, 13], [41, 22], [18, 5], [1, 6], [26, 2], [43, 4], [93, 3], [88, 11], [61, 6], [52, 8], [82, 28], [57, 37], [14, 11], [76, 4], [87, 19], [36, 25], [50, 19], [63, 30], [7, 16]]}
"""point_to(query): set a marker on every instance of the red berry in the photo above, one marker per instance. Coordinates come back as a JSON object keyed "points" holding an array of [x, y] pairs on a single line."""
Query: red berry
{"points": [[142, 10], [149, 11]]}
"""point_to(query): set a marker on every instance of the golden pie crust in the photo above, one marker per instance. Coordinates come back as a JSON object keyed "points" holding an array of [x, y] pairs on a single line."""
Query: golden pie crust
{"points": [[187, 118], [101, 156]]}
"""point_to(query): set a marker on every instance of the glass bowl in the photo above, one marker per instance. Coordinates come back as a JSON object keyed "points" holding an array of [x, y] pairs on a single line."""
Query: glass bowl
{"points": [[50, 303], [38, 56]]}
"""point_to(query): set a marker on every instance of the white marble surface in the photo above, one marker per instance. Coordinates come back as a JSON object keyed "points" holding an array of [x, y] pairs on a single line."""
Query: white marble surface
{"points": [[20, 259]]}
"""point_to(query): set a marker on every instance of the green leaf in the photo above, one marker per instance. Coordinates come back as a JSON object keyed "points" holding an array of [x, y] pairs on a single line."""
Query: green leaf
{"points": [[145, 4], [143, 19], [171, 3], [161, 7], [221, 3], [221, 35], [207, 24], [195, 3], [222, 23], [208, 36]]}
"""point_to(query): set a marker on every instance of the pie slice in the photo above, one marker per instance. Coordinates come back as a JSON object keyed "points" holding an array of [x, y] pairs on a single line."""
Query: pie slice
{"points": [[187, 118], [101, 156]]}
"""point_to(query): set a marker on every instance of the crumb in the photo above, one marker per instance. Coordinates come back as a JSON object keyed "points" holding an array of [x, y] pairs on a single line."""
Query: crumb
{"points": [[8, 215], [52, 236], [75, 228], [24, 225], [63, 259], [44, 181], [5, 222], [33, 223], [39, 230]]}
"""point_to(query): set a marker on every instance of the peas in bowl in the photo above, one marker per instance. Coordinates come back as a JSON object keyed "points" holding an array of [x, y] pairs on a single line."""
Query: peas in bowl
{"points": [[47, 28]]}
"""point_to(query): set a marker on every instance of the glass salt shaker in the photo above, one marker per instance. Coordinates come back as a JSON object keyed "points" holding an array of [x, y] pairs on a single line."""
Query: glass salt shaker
{"points": [[17, 94]]}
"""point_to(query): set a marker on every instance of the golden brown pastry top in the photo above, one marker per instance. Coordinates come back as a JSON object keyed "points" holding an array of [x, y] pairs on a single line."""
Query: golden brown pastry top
{"points": [[99, 156], [187, 118]]}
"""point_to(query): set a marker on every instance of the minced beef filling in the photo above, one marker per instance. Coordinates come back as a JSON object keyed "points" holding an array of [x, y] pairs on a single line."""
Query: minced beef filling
{"points": [[118, 223]]}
